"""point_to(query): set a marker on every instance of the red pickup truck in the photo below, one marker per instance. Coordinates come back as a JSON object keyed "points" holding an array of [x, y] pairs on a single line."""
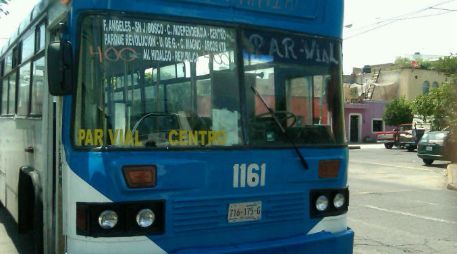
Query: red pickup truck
{"points": [[399, 137], [406, 136]]}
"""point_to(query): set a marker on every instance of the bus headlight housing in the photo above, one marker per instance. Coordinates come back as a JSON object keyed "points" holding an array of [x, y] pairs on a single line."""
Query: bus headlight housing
{"points": [[145, 218], [121, 219], [108, 219], [328, 202]]}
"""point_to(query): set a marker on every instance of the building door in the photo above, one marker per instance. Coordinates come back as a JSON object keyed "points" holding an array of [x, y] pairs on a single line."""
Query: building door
{"points": [[354, 129]]}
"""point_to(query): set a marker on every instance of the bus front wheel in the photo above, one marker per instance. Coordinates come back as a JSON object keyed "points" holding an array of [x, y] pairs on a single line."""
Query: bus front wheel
{"points": [[388, 146]]}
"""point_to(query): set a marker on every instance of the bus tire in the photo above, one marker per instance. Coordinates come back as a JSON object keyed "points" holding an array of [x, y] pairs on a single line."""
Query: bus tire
{"points": [[388, 146], [31, 207], [26, 200]]}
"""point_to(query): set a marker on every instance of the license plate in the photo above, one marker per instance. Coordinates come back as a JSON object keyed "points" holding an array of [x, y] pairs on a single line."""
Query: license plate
{"points": [[429, 148], [244, 212]]}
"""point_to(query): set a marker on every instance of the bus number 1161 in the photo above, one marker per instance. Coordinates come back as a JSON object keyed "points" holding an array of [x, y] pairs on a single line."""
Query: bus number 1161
{"points": [[252, 175]]}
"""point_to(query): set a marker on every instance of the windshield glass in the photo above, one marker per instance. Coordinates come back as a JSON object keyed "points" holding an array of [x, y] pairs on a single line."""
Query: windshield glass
{"points": [[161, 84], [292, 86], [148, 83]]}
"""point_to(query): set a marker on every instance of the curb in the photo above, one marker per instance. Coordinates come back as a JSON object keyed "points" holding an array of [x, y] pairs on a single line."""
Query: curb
{"points": [[355, 147], [452, 177]]}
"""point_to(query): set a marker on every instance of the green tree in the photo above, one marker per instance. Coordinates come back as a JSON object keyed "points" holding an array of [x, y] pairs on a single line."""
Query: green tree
{"points": [[448, 65], [399, 111], [444, 105], [424, 106], [440, 104]]}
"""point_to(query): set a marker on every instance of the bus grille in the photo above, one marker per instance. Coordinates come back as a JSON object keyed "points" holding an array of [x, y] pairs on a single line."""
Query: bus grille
{"points": [[211, 214]]}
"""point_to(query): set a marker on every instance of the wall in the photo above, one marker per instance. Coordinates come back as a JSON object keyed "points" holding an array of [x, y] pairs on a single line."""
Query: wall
{"points": [[405, 82], [413, 79], [369, 110]]}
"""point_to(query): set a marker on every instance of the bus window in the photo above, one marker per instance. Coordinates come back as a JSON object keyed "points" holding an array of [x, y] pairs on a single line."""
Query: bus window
{"points": [[5, 96], [8, 63], [40, 37], [23, 90], [37, 87], [28, 47], [12, 94], [156, 84]]}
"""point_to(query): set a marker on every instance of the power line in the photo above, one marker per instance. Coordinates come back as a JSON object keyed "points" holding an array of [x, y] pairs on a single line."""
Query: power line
{"points": [[402, 17]]}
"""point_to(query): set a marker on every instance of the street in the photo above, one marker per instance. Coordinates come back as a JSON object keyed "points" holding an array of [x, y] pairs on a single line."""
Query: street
{"points": [[398, 205], [10, 241]]}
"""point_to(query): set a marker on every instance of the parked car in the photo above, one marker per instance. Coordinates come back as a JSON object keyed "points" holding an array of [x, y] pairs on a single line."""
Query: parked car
{"points": [[432, 147]]}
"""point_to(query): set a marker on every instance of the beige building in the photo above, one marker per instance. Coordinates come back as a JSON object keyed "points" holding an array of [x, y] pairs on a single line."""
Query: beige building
{"points": [[387, 82]]}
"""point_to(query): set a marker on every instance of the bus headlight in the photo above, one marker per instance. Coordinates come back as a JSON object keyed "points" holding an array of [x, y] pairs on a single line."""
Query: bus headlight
{"points": [[145, 218], [108, 219], [339, 200], [322, 203]]}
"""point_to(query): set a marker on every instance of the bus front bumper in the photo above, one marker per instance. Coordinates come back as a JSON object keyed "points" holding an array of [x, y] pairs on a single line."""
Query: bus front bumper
{"points": [[319, 243]]}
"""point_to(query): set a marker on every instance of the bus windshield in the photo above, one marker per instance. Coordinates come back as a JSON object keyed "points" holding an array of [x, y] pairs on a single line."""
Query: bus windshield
{"points": [[146, 83]]}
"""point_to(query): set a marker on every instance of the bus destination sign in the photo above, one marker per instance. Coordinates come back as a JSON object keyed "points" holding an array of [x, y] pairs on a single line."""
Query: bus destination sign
{"points": [[299, 8]]}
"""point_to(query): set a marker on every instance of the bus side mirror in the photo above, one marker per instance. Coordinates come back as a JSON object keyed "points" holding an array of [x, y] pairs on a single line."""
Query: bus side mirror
{"points": [[60, 68]]}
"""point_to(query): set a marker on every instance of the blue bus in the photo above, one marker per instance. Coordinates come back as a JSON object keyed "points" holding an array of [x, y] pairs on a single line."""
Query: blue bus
{"points": [[177, 126]]}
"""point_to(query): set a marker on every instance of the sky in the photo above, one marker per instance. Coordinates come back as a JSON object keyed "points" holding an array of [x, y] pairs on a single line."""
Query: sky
{"points": [[429, 35], [9, 24], [432, 35]]}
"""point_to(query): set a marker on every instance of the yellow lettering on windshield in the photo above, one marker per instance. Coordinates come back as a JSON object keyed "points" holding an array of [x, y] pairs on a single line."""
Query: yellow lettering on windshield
{"points": [[172, 135], [81, 136], [98, 137], [196, 138]]}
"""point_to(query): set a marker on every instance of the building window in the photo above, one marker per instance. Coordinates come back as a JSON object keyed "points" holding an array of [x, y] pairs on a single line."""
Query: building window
{"points": [[435, 85], [377, 125], [425, 87]]}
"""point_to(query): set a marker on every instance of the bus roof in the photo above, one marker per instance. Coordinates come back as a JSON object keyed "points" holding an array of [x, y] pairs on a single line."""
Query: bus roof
{"points": [[318, 17]]}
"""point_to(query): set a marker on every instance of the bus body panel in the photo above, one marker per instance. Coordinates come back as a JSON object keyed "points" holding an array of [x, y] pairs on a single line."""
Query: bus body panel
{"points": [[17, 135], [209, 183]]}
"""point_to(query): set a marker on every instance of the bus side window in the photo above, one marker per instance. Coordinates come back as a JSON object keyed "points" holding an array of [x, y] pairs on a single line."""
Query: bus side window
{"points": [[36, 96]]}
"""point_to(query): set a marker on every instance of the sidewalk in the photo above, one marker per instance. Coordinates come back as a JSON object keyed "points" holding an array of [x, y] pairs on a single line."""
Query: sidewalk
{"points": [[366, 146]]}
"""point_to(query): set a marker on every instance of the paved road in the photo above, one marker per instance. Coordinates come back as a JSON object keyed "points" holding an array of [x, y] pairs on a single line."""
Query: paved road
{"points": [[10, 241], [398, 205]]}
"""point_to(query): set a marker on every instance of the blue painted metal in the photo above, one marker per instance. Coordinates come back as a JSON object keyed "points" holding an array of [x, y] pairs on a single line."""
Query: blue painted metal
{"points": [[192, 180]]}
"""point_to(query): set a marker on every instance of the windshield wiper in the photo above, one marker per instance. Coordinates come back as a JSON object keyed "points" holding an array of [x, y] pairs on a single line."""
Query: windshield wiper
{"points": [[283, 130]]}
